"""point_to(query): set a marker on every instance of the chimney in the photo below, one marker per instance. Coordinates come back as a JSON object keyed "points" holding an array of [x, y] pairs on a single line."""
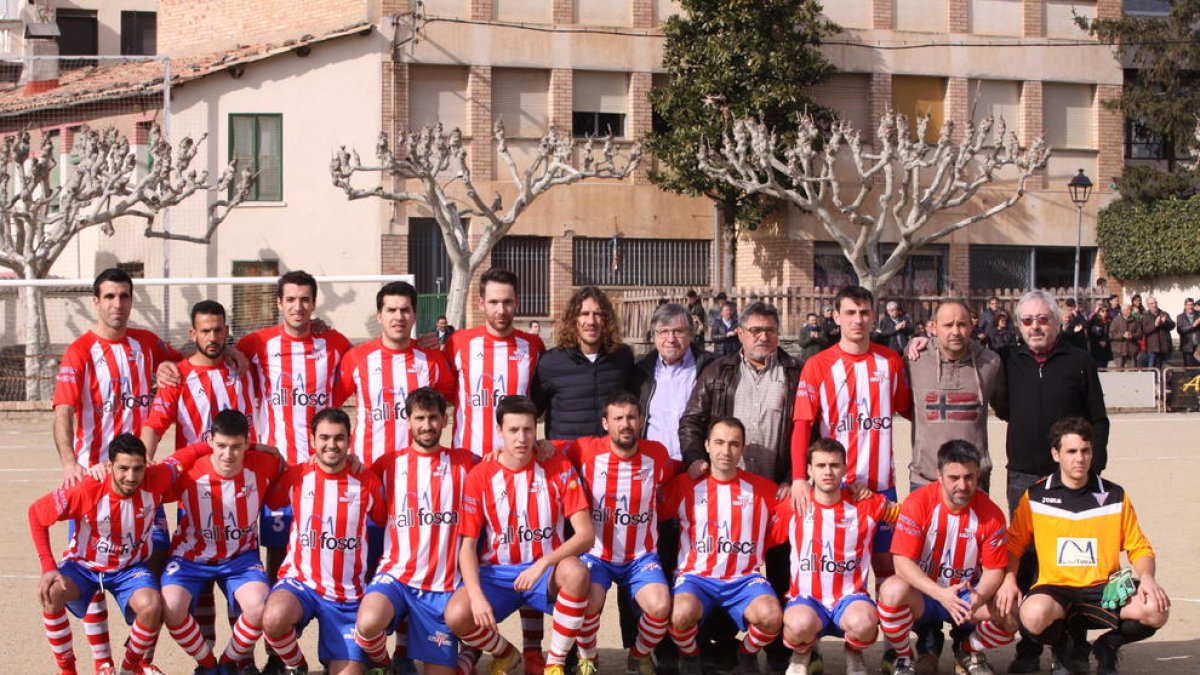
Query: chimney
{"points": [[41, 39]]}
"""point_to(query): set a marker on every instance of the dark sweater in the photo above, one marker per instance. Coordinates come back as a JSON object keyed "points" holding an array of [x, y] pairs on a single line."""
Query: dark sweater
{"points": [[570, 389]]}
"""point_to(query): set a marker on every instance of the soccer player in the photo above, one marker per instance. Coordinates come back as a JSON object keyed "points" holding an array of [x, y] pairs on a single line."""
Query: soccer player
{"points": [[831, 553], [104, 389], [950, 559], [851, 391], [323, 575], [423, 484], [624, 475], [1080, 524], [490, 362], [518, 506], [724, 519], [107, 551], [217, 541]]}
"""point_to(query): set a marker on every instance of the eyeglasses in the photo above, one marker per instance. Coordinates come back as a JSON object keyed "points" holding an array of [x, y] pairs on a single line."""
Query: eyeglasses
{"points": [[670, 332], [757, 331], [1042, 320]]}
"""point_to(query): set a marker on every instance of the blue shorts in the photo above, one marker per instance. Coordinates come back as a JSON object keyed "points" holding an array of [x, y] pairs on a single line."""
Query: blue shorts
{"points": [[335, 622], [732, 596], [229, 575], [633, 575], [934, 611], [497, 583], [882, 543], [160, 534], [122, 584], [831, 622], [430, 640], [274, 526]]}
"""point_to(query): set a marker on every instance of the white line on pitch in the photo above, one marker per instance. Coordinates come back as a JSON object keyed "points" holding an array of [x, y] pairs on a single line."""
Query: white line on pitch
{"points": [[28, 470], [1187, 599], [19, 576]]}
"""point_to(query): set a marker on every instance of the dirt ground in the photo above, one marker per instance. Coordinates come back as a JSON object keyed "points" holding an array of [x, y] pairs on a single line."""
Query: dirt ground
{"points": [[1154, 456]]}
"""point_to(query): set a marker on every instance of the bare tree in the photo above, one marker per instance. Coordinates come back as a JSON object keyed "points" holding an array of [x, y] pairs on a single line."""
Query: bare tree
{"points": [[39, 219], [437, 162], [913, 180]]}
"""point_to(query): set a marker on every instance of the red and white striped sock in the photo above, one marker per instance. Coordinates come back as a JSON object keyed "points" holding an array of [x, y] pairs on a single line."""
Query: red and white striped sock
{"points": [[486, 640], [206, 614], [287, 648], [241, 641], [95, 626], [467, 658], [187, 634], [375, 648], [756, 639], [651, 631], [799, 647], [987, 635], [858, 645], [533, 629], [568, 617], [58, 633], [586, 641], [896, 623], [685, 641], [140, 639]]}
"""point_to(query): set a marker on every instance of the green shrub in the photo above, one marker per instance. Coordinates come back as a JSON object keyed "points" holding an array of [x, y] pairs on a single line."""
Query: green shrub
{"points": [[1159, 239]]}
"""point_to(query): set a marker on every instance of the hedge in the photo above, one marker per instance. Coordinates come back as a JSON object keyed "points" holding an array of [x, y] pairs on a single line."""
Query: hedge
{"points": [[1142, 241]]}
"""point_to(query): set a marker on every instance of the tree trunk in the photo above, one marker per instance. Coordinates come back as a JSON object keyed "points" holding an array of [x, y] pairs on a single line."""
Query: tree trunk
{"points": [[456, 295], [728, 211], [39, 364]]}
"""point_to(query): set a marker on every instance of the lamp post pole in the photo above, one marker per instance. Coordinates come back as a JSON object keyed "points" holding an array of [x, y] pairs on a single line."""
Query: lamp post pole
{"points": [[1080, 188], [1078, 240]]}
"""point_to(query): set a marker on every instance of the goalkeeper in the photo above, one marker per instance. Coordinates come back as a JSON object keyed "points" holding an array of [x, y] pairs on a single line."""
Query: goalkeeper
{"points": [[1079, 524]]}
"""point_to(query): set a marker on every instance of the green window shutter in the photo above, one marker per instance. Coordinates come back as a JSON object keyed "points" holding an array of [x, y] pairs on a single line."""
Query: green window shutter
{"points": [[270, 158]]}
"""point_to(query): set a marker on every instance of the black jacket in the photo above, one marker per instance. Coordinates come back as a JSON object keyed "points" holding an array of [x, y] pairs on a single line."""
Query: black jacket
{"points": [[642, 383], [1038, 396], [570, 389]]}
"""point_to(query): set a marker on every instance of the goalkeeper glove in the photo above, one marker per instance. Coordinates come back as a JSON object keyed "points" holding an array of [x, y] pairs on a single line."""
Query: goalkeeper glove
{"points": [[1119, 590]]}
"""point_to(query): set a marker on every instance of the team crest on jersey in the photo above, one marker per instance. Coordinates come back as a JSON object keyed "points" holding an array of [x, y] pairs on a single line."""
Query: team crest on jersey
{"points": [[245, 492]]}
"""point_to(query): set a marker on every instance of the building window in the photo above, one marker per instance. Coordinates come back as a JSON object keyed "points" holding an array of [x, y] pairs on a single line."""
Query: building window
{"points": [[256, 143], [428, 260], [437, 94], [254, 306], [529, 259], [1068, 116], [915, 97], [601, 101], [1020, 267], [79, 31], [998, 99], [924, 272], [520, 101], [135, 270], [1142, 143], [617, 261], [138, 33]]}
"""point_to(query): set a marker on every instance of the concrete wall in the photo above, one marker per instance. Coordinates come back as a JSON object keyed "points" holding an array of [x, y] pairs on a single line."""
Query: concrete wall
{"points": [[202, 26], [1169, 291]]}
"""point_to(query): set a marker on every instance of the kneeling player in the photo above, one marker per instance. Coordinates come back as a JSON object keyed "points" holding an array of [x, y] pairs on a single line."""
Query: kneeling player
{"points": [[724, 520], [831, 555], [950, 559], [1086, 522], [523, 504], [322, 574], [624, 475], [423, 486]]}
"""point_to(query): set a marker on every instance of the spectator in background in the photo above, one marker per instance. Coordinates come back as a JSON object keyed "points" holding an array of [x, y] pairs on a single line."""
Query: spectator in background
{"points": [[929, 329], [699, 318], [714, 312], [978, 333], [829, 327], [812, 338], [724, 331], [1156, 331], [1075, 326], [1139, 310], [1001, 334], [535, 328], [1124, 332], [895, 328], [1099, 343], [1188, 325], [1114, 306], [988, 316], [443, 329]]}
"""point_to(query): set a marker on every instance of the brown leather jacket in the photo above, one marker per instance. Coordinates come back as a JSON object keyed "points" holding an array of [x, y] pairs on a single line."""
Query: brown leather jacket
{"points": [[1116, 334], [713, 398]]}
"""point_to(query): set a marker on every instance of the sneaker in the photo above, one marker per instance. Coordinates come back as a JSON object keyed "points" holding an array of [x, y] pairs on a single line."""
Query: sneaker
{"points": [[855, 663], [535, 661], [106, 669], [690, 665], [1068, 658], [640, 665], [903, 666], [585, 666], [504, 663], [274, 665], [301, 669], [798, 664], [1106, 657], [748, 664], [555, 670], [402, 665], [926, 664], [1025, 664], [972, 664]]}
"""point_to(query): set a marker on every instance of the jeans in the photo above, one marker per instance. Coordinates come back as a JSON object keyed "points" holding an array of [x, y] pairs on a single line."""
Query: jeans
{"points": [[1158, 359]]}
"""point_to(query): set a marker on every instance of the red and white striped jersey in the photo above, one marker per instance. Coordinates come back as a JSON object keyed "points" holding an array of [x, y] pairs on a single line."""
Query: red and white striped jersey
{"points": [[624, 494], [218, 516], [523, 510], [424, 499], [108, 383], [294, 380], [853, 397], [380, 379], [951, 546], [327, 546], [831, 545], [724, 525], [488, 369], [202, 392]]}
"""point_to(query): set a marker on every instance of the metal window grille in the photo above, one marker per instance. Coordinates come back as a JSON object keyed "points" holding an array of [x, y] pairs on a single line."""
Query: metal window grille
{"points": [[529, 259], [617, 261], [924, 272], [427, 257], [253, 306]]}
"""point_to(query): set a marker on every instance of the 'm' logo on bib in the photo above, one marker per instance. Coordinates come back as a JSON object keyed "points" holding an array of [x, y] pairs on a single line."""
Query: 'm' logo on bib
{"points": [[1076, 552]]}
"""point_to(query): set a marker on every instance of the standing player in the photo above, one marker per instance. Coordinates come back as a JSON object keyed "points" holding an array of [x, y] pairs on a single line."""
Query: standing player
{"points": [[490, 362], [423, 485], [520, 505], [950, 559], [851, 391], [220, 500], [104, 389], [725, 520], [831, 553], [624, 476], [107, 551], [327, 554]]}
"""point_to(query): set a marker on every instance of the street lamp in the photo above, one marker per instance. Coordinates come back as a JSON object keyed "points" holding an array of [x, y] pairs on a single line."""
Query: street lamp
{"points": [[1080, 188]]}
